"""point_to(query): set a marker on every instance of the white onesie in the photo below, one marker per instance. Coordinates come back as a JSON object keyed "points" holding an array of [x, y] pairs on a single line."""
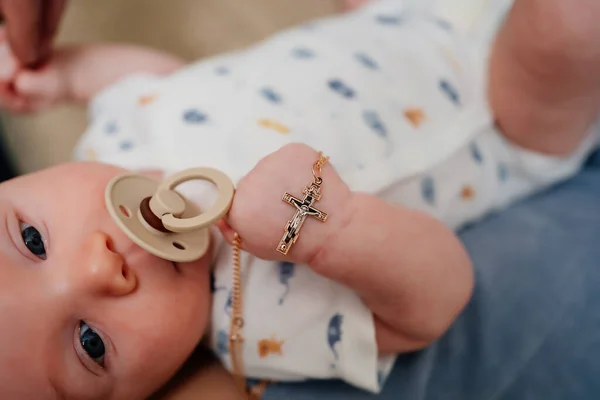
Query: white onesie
{"points": [[392, 93]]}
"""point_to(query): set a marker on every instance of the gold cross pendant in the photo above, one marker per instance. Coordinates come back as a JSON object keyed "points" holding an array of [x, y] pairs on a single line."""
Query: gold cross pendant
{"points": [[304, 209]]}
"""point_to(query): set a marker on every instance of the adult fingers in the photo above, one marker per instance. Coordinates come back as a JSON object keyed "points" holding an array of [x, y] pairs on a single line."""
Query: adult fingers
{"points": [[31, 26], [23, 22], [51, 17]]}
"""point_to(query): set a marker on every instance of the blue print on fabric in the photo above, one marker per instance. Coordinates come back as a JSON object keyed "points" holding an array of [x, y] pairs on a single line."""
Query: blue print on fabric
{"points": [[341, 88], [502, 173], [375, 124], [222, 347], [444, 24], [125, 145], [229, 303], [366, 61], [384, 19], [286, 272], [373, 121], [334, 333], [222, 70], [428, 190], [303, 53], [111, 128], [476, 153], [194, 116], [271, 95], [450, 91]]}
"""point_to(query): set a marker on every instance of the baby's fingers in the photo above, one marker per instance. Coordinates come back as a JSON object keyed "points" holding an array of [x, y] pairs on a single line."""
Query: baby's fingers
{"points": [[9, 100], [226, 230]]}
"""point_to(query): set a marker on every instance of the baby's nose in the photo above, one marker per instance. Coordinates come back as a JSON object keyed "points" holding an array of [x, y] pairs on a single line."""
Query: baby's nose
{"points": [[104, 271]]}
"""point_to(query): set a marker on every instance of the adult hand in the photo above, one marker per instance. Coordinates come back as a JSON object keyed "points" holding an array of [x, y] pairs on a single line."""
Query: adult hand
{"points": [[31, 26]]}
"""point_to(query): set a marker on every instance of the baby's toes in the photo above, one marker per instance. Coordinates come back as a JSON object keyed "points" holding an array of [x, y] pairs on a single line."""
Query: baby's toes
{"points": [[8, 64], [40, 85]]}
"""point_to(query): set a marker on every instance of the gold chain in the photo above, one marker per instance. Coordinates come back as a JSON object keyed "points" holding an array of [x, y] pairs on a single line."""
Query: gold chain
{"points": [[316, 169], [236, 336]]}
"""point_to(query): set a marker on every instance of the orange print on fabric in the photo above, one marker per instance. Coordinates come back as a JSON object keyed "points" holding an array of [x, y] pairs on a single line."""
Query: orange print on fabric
{"points": [[456, 65], [276, 126], [467, 193], [145, 100], [416, 116], [268, 347]]}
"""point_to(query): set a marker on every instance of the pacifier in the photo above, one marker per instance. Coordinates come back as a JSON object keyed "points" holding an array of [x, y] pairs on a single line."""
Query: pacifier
{"points": [[160, 220]]}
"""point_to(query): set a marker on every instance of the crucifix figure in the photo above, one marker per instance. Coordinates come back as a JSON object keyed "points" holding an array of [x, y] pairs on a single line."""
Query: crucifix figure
{"points": [[304, 209]]}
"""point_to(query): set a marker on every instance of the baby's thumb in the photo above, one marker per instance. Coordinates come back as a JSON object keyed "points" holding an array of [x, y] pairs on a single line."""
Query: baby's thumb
{"points": [[44, 84], [226, 230]]}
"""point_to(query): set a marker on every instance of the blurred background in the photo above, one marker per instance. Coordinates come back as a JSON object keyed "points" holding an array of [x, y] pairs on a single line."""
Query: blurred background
{"points": [[189, 28]]}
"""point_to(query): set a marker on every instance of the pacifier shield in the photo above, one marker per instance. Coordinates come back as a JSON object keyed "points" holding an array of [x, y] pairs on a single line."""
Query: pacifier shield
{"points": [[123, 197]]}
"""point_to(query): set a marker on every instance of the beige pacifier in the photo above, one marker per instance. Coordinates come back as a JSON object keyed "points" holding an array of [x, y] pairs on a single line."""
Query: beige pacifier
{"points": [[160, 220]]}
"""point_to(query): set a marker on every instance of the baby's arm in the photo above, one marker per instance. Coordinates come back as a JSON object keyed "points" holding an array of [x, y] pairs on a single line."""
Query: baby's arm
{"points": [[544, 74], [77, 73], [408, 268]]}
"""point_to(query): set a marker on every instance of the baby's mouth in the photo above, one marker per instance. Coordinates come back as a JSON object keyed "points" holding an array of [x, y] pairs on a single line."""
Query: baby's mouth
{"points": [[140, 259]]}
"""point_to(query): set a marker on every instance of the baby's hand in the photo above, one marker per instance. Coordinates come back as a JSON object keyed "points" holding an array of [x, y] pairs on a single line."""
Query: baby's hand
{"points": [[27, 90], [259, 215]]}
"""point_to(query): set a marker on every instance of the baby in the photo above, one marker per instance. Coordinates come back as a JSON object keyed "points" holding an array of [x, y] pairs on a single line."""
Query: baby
{"points": [[390, 92]]}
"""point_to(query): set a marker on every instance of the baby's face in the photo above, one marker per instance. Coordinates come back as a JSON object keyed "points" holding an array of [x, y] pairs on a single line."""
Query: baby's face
{"points": [[85, 313]]}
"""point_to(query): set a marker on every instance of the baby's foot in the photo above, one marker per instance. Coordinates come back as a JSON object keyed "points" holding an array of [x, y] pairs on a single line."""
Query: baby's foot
{"points": [[27, 90], [41, 88], [8, 70]]}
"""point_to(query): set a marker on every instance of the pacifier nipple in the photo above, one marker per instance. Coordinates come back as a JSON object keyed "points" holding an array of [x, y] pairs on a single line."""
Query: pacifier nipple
{"points": [[149, 217], [163, 202], [160, 220]]}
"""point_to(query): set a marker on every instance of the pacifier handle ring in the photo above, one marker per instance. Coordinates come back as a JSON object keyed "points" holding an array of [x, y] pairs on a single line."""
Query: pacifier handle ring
{"points": [[210, 216]]}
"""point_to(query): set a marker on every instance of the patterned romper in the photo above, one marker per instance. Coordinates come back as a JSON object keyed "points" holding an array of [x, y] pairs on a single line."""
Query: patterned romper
{"points": [[394, 94]]}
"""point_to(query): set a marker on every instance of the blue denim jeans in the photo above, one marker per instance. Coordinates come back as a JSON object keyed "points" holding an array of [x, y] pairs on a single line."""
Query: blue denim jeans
{"points": [[532, 329]]}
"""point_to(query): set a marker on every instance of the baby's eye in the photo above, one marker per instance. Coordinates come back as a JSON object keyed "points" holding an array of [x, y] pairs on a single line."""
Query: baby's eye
{"points": [[91, 343], [33, 240]]}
